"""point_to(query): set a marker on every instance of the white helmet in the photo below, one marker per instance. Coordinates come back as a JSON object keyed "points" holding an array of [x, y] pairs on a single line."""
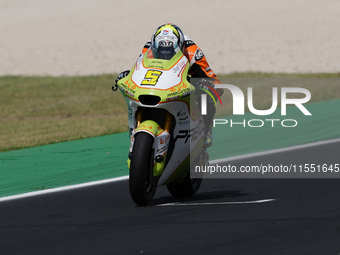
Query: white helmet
{"points": [[166, 41]]}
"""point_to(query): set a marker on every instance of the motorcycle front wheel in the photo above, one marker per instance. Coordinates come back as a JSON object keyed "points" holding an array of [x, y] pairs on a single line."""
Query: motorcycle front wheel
{"points": [[142, 183]]}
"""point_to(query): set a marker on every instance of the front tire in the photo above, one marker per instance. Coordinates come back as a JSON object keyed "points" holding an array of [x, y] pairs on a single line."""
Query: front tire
{"points": [[142, 183]]}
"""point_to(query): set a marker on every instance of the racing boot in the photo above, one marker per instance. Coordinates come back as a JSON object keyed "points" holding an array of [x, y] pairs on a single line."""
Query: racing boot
{"points": [[208, 137]]}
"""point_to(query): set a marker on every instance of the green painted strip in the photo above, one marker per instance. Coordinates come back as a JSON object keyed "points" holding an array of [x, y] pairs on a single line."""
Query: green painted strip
{"points": [[99, 158], [62, 164]]}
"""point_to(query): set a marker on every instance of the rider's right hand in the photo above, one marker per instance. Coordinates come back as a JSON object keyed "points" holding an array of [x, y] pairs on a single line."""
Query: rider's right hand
{"points": [[119, 77], [122, 75]]}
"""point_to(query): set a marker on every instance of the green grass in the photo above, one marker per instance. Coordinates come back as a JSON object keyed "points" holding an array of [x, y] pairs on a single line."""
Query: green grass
{"points": [[44, 110]]}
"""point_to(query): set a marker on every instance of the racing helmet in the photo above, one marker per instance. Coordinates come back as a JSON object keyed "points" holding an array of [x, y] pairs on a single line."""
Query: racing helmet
{"points": [[166, 41]]}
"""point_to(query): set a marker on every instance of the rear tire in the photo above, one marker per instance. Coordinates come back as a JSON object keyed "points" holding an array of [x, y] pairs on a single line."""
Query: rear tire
{"points": [[186, 188], [190, 185], [142, 183]]}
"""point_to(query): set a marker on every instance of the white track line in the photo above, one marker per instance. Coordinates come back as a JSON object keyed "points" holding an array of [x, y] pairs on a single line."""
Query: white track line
{"points": [[219, 203], [71, 187], [89, 184]]}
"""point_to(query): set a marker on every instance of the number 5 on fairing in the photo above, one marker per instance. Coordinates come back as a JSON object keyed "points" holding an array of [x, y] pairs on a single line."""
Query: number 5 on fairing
{"points": [[151, 77]]}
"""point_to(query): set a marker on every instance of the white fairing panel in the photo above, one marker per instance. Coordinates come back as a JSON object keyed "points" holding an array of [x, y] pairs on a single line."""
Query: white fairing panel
{"points": [[168, 79]]}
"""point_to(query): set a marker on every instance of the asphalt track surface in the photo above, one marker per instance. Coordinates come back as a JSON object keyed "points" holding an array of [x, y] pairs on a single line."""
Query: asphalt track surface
{"points": [[304, 218]]}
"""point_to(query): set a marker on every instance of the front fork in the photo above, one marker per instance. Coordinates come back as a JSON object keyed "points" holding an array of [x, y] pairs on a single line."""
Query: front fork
{"points": [[161, 140]]}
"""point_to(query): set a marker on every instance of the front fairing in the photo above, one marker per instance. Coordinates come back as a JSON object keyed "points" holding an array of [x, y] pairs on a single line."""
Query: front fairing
{"points": [[164, 78], [159, 83]]}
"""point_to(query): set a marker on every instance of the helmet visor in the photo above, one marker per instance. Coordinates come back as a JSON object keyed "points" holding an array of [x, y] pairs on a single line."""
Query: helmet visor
{"points": [[165, 50]]}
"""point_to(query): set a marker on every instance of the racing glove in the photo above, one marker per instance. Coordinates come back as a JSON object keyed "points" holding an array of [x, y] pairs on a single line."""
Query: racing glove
{"points": [[207, 85], [119, 77]]}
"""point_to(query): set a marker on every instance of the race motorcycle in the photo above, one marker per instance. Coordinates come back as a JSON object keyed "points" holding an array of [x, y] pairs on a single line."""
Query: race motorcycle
{"points": [[167, 130]]}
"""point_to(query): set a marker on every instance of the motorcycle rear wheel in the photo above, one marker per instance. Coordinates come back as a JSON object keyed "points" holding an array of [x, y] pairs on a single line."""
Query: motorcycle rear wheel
{"points": [[142, 183], [191, 184], [186, 188]]}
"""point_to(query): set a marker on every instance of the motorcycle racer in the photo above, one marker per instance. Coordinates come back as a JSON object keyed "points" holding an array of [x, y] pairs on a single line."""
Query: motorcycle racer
{"points": [[165, 42]]}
